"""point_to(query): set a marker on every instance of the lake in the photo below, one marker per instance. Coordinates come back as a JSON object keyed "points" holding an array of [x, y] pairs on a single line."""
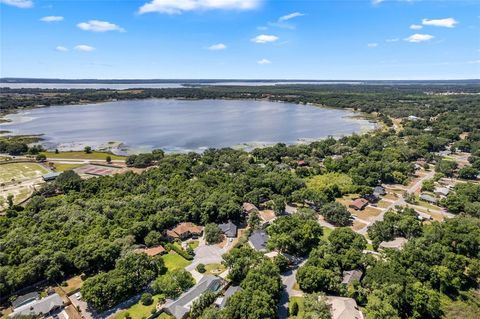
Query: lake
{"points": [[182, 125]]}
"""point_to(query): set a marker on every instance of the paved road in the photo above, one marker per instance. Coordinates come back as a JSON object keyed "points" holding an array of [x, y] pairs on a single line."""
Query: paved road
{"points": [[399, 202], [288, 281]]}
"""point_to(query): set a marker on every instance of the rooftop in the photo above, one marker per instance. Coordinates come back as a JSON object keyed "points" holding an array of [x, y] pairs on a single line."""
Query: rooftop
{"points": [[267, 215], [258, 240], [27, 298], [154, 251], [351, 276], [248, 207], [38, 307], [221, 302], [397, 243], [229, 229], [344, 308], [181, 307]]}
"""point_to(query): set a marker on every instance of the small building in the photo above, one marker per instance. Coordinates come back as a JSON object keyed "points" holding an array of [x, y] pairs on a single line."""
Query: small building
{"points": [[414, 118], [50, 176], [397, 243], [180, 308], [428, 198], [267, 216], [301, 163], [372, 198], [258, 240], [379, 191], [358, 204], [221, 302], [351, 276], [155, 251], [249, 207], [184, 231], [24, 299], [39, 308], [441, 191], [344, 308], [229, 229]]}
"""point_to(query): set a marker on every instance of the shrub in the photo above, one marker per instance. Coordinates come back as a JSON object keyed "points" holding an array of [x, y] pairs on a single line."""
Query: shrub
{"points": [[201, 268], [146, 299]]}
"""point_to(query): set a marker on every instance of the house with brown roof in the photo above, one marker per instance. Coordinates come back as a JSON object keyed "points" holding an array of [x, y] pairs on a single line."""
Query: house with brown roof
{"points": [[184, 231], [344, 308], [155, 251], [358, 204], [267, 216], [249, 207]]}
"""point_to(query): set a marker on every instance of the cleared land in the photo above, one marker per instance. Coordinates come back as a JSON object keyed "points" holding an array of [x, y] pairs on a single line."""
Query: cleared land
{"points": [[20, 171], [139, 311], [82, 155]]}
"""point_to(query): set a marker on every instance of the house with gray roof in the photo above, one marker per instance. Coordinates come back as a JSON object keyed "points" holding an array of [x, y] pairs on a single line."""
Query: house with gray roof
{"points": [[351, 276], [39, 308], [344, 308], [428, 198], [229, 229], [50, 176], [180, 308], [258, 240], [24, 299], [221, 302]]}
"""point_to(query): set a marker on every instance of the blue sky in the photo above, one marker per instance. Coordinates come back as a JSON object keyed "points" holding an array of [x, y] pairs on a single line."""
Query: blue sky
{"points": [[242, 39]]}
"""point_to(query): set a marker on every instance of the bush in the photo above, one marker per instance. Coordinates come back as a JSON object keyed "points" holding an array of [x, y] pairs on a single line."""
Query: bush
{"points": [[146, 299], [294, 309], [201, 268]]}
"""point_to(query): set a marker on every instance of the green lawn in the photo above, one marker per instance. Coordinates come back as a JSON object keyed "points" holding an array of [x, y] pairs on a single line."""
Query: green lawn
{"points": [[18, 171], [299, 301], [193, 244], [174, 261], [326, 232], [163, 315], [82, 155], [214, 269], [139, 311]]}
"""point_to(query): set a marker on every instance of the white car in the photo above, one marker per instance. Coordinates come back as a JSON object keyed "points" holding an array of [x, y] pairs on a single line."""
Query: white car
{"points": [[78, 296]]}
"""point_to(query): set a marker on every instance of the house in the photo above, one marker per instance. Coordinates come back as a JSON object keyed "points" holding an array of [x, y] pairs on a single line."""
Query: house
{"points": [[441, 191], [428, 198], [258, 240], [221, 302], [351, 276], [248, 208], [358, 204], [397, 243], [184, 231], [24, 299], [50, 176], [344, 308], [267, 216], [414, 118], [379, 191], [39, 308], [154, 251], [229, 229], [372, 198], [181, 307], [301, 163]]}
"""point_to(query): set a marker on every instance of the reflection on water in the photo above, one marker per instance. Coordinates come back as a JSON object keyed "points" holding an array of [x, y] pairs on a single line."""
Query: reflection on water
{"points": [[179, 125]]}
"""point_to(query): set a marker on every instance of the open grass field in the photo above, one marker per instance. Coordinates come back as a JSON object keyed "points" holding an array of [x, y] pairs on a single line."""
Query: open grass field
{"points": [[369, 213], [20, 171], [82, 155], [138, 310], [174, 261], [193, 244], [73, 284], [326, 232], [357, 225]]}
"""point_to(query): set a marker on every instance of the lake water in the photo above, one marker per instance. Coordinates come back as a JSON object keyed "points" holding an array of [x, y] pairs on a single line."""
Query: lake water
{"points": [[182, 125]]}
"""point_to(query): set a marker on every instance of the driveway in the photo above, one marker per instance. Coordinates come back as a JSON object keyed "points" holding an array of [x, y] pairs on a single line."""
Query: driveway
{"points": [[288, 281], [207, 254]]}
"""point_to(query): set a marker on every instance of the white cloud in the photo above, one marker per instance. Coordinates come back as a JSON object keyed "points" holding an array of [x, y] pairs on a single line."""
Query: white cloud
{"points": [[84, 48], [372, 45], [415, 27], [265, 38], [290, 16], [377, 1], [179, 6], [264, 61], [474, 62], [52, 19], [99, 26], [61, 49], [217, 47], [446, 23], [415, 38], [18, 3], [392, 40]]}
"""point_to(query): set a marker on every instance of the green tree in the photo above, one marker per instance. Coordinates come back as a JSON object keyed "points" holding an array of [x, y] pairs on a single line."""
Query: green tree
{"points": [[336, 214], [213, 234], [87, 149], [146, 299]]}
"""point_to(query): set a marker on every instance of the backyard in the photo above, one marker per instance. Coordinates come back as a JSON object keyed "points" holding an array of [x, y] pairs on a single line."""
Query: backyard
{"points": [[174, 261], [20, 171]]}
